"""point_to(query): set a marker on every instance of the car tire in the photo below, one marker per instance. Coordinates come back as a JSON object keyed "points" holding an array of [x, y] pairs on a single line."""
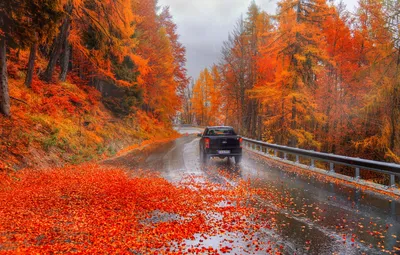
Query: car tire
{"points": [[238, 159], [204, 158]]}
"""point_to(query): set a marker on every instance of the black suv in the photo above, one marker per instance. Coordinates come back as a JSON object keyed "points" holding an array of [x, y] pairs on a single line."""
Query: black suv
{"points": [[221, 142]]}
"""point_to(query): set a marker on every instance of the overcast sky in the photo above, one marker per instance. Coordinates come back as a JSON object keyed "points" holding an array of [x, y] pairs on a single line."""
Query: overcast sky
{"points": [[204, 25]]}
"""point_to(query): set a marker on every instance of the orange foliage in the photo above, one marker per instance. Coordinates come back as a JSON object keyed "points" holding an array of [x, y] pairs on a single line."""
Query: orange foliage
{"points": [[206, 101], [57, 98], [112, 22], [166, 76]]}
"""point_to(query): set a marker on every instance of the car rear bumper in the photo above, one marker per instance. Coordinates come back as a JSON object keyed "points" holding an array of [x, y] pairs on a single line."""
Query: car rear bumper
{"points": [[223, 155], [233, 152]]}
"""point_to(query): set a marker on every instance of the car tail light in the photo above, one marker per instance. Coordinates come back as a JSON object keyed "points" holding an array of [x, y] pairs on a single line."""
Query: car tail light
{"points": [[240, 142], [207, 143]]}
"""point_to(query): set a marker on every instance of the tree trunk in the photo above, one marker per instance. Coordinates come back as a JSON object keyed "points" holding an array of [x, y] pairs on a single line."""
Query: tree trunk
{"points": [[65, 61], [58, 44], [293, 142], [393, 130], [394, 116], [31, 65], [4, 94], [260, 122], [254, 117]]}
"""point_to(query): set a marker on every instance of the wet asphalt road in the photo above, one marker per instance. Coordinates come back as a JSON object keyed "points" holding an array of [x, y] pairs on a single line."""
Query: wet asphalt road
{"points": [[312, 216]]}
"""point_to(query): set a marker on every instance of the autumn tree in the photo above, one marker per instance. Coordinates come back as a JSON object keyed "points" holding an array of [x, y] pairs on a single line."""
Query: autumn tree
{"points": [[158, 43], [101, 34], [43, 20], [239, 66], [13, 31], [216, 101], [178, 50], [235, 63], [337, 90], [298, 47], [252, 33], [201, 98], [207, 102], [59, 41], [377, 40], [187, 112]]}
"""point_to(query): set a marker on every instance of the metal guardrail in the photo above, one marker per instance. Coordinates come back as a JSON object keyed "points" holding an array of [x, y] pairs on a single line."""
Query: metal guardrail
{"points": [[358, 164]]}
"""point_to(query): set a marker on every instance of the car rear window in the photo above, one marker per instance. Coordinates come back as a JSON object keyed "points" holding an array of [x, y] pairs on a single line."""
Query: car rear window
{"points": [[221, 132]]}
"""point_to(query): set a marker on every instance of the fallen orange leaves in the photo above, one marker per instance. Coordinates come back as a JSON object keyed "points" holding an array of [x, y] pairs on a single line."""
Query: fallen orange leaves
{"points": [[90, 209]]}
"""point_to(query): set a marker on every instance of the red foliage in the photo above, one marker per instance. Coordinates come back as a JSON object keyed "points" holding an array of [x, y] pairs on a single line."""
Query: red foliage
{"points": [[13, 145], [93, 95], [57, 98], [37, 86], [12, 69]]}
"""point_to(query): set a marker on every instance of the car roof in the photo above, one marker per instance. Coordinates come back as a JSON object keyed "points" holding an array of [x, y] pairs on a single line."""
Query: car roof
{"points": [[227, 127]]}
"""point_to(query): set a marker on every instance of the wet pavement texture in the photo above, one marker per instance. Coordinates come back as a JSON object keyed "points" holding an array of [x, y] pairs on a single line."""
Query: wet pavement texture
{"points": [[310, 215]]}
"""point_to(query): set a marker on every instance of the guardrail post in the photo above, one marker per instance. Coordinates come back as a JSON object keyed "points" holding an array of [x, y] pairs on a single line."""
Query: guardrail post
{"points": [[331, 167], [393, 209], [357, 173], [275, 153], [392, 181], [285, 156], [312, 163], [297, 159]]}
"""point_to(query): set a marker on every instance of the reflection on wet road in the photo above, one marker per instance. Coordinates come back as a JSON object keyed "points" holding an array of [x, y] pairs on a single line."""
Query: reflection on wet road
{"points": [[311, 216]]}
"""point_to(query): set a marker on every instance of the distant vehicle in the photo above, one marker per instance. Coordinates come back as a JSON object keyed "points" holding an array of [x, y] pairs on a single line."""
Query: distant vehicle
{"points": [[220, 142]]}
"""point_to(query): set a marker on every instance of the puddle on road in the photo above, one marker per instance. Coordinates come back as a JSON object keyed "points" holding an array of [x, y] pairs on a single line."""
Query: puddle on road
{"points": [[161, 217]]}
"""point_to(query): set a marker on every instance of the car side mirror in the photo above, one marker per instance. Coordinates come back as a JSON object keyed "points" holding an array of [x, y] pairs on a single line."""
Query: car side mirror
{"points": [[199, 135]]}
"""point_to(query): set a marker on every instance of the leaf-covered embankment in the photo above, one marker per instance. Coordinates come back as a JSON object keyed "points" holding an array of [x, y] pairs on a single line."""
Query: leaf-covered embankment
{"points": [[60, 123]]}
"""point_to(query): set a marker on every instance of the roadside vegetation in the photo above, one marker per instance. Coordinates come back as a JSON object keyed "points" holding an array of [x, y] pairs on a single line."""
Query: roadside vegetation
{"points": [[81, 80]]}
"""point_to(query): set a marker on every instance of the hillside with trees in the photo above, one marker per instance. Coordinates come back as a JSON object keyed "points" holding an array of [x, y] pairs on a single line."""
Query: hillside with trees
{"points": [[82, 79], [313, 76]]}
